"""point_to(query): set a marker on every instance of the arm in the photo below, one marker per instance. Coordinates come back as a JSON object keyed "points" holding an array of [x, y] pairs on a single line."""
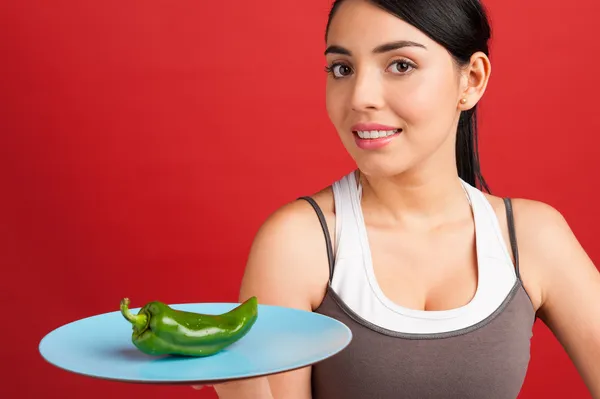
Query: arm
{"points": [[569, 285], [287, 266]]}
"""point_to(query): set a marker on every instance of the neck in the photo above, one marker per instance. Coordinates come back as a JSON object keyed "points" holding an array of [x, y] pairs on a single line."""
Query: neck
{"points": [[422, 198]]}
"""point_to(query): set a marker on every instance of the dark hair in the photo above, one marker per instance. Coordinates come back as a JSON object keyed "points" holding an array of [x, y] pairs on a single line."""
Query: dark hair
{"points": [[462, 27]]}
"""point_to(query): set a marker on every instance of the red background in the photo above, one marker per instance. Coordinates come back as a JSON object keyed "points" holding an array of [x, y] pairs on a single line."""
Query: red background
{"points": [[144, 142]]}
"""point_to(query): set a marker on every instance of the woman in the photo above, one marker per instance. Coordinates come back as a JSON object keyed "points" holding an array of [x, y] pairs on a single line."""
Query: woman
{"points": [[439, 282]]}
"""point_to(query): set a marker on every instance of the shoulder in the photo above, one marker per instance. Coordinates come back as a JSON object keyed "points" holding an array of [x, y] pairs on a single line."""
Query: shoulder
{"points": [[288, 264], [295, 226], [545, 241], [542, 230], [553, 250], [537, 225], [298, 216], [528, 211]]}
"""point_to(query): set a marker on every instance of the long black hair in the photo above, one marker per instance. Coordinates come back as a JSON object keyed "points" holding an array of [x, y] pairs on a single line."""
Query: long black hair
{"points": [[462, 27]]}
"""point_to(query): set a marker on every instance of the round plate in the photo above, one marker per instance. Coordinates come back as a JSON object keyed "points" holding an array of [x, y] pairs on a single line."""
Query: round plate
{"points": [[282, 339]]}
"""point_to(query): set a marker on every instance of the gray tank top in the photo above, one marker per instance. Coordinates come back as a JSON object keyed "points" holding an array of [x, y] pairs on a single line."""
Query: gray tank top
{"points": [[487, 360]]}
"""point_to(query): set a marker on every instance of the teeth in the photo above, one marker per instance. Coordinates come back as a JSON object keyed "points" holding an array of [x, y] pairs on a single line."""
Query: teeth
{"points": [[375, 134]]}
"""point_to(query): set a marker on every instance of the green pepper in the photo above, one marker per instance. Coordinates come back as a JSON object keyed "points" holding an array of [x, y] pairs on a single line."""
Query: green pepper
{"points": [[161, 330]]}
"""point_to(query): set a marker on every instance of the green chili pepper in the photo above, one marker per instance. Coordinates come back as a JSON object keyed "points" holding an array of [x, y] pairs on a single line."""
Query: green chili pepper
{"points": [[160, 330]]}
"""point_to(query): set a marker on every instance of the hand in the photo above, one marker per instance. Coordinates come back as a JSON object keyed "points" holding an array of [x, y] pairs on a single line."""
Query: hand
{"points": [[255, 388]]}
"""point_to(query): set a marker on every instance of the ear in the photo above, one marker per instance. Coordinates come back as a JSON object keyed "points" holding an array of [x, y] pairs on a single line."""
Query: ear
{"points": [[474, 81]]}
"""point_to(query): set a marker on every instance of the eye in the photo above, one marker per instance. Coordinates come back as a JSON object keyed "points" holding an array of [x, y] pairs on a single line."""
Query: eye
{"points": [[338, 70], [402, 66]]}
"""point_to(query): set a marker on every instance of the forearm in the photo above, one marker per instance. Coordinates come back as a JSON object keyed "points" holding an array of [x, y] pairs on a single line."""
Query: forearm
{"points": [[255, 388]]}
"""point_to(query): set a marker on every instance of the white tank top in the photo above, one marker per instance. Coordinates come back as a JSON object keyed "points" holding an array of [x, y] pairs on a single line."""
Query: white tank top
{"points": [[355, 283]]}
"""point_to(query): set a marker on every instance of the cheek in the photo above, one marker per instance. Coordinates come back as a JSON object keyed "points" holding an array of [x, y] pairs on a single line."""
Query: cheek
{"points": [[426, 107], [334, 104], [337, 109]]}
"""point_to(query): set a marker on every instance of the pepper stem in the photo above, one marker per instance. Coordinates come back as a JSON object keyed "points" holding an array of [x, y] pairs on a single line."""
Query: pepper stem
{"points": [[138, 321]]}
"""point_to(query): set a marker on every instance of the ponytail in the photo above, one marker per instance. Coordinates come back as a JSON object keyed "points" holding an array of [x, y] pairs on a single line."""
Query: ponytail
{"points": [[467, 151]]}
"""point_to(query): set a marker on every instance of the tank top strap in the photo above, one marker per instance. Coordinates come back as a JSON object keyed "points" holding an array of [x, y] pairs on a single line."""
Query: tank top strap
{"points": [[325, 228], [512, 234]]}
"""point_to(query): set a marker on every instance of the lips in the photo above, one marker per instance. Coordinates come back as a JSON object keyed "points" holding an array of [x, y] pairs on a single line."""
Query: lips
{"points": [[367, 127]]}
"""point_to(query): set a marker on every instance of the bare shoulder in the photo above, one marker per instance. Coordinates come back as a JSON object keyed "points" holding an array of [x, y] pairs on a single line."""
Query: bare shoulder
{"points": [[548, 248], [288, 264], [535, 222]]}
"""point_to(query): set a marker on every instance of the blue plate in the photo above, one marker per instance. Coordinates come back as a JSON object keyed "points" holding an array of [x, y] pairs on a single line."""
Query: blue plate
{"points": [[282, 339]]}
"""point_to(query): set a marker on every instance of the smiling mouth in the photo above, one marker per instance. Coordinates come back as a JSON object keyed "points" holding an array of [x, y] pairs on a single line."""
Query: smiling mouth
{"points": [[376, 134]]}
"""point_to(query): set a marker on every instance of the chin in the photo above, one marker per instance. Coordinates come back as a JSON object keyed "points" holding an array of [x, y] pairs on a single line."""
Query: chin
{"points": [[380, 167]]}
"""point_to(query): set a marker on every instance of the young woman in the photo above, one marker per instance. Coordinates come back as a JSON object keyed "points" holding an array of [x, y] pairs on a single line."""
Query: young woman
{"points": [[439, 282]]}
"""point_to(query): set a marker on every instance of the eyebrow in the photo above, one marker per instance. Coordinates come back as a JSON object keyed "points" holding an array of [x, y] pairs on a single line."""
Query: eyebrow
{"points": [[384, 48]]}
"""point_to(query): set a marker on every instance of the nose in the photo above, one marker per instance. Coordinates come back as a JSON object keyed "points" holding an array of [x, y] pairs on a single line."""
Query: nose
{"points": [[367, 92]]}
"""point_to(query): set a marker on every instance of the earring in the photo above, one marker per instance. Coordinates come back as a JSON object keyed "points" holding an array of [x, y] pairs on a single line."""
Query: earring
{"points": [[463, 100]]}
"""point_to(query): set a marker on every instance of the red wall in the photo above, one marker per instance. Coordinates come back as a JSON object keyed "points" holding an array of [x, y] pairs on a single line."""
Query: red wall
{"points": [[143, 143]]}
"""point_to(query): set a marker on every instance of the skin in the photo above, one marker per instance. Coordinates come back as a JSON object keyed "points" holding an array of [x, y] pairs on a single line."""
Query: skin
{"points": [[413, 201]]}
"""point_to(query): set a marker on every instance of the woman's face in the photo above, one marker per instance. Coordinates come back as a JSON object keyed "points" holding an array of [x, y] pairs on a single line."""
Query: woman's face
{"points": [[393, 94]]}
